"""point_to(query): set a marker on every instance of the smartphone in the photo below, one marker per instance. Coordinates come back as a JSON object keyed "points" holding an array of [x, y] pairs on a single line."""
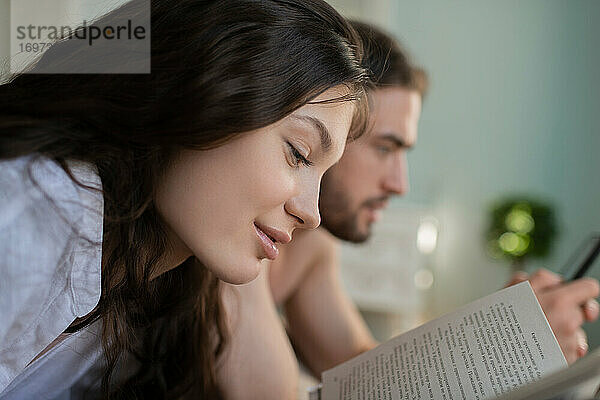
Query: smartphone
{"points": [[584, 259]]}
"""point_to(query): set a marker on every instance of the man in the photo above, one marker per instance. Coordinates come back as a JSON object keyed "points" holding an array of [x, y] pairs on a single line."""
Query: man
{"points": [[322, 323]]}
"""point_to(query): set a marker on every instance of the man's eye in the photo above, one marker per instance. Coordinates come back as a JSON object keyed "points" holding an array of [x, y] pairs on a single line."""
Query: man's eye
{"points": [[298, 158], [383, 149]]}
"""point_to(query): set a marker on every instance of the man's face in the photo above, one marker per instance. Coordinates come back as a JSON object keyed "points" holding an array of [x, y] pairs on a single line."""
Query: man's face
{"points": [[373, 168]]}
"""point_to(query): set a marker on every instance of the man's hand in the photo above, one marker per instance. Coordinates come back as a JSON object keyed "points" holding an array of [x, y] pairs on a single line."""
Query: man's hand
{"points": [[567, 306]]}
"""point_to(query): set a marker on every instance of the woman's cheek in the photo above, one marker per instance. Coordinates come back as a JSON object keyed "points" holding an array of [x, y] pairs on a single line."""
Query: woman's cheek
{"points": [[274, 181], [280, 187]]}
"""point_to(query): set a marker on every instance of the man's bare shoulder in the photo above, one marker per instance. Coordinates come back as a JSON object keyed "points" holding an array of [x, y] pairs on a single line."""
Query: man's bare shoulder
{"points": [[296, 258]]}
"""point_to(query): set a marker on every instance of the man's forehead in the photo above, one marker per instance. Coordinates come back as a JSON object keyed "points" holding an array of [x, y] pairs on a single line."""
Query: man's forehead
{"points": [[394, 94], [395, 114]]}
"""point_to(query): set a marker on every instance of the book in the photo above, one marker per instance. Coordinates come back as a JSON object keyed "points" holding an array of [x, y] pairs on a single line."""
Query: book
{"points": [[483, 350], [581, 381]]}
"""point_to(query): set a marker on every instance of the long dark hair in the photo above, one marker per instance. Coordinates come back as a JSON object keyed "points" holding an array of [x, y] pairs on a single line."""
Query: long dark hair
{"points": [[219, 68]]}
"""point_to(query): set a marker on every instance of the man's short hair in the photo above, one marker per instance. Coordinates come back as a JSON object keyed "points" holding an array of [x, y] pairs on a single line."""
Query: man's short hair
{"points": [[388, 64]]}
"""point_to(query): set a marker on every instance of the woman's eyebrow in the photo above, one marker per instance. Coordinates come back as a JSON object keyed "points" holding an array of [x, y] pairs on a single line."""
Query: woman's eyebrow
{"points": [[320, 127]]}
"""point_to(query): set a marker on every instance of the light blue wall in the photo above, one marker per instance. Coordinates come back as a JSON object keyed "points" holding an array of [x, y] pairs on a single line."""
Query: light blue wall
{"points": [[514, 107]]}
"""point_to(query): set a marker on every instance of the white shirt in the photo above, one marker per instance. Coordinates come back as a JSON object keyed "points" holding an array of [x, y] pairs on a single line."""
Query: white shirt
{"points": [[50, 274]]}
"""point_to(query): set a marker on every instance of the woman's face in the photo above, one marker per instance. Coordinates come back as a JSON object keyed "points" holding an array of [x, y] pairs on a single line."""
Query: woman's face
{"points": [[233, 205]]}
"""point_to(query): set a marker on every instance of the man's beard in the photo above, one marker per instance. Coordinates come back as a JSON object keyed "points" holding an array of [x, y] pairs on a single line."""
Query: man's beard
{"points": [[345, 228], [338, 217]]}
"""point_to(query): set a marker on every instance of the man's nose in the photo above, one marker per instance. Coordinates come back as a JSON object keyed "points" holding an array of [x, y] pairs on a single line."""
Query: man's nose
{"points": [[396, 179]]}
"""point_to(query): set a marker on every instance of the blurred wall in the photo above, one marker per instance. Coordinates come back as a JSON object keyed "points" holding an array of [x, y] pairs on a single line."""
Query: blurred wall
{"points": [[514, 107]]}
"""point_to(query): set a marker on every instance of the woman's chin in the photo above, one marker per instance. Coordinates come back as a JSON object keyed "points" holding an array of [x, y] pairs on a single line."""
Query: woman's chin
{"points": [[241, 274]]}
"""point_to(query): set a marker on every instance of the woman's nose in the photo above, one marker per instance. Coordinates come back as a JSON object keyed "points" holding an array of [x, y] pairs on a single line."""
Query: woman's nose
{"points": [[305, 207]]}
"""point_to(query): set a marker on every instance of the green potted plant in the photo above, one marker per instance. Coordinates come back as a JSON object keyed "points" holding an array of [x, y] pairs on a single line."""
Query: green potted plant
{"points": [[521, 228]]}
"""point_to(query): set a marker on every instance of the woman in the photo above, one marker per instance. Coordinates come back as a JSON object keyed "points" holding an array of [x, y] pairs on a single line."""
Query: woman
{"points": [[125, 198]]}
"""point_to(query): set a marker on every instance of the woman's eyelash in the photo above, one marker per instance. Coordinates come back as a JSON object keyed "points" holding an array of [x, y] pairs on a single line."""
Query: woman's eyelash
{"points": [[298, 157]]}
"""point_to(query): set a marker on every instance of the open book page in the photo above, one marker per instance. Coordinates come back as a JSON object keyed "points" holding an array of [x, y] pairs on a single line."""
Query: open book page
{"points": [[578, 382], [480, 351]]}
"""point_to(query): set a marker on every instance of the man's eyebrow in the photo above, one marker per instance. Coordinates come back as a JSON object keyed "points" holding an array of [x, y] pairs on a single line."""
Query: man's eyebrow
{"points": [[396, 141], [324, 134]]}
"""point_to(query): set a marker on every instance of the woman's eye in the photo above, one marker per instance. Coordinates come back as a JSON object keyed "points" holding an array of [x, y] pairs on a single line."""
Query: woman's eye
{"points": [[298, 158]]}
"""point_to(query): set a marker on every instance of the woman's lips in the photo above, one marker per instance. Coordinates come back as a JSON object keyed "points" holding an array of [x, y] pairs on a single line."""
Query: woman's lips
{"points": [[271, 251]]}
